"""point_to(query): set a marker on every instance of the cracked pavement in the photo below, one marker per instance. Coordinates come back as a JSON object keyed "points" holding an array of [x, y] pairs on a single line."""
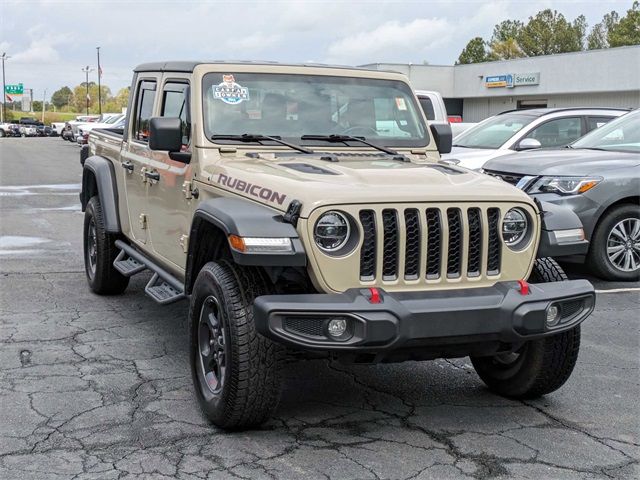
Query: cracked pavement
{"points": [[99, 387]]}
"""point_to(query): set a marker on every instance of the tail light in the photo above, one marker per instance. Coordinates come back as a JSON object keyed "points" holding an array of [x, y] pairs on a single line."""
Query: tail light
{"points": [[455, 118]]}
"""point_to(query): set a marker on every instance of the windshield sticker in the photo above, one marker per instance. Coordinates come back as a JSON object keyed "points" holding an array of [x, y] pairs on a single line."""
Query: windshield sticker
{"points": [[400, 103], [229, 91]]}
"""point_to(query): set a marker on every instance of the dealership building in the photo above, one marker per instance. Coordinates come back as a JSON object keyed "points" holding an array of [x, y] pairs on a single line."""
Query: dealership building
{"points": [[594, 78]]}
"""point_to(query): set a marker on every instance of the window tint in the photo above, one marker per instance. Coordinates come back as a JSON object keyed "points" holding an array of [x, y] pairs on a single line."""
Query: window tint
{"points": [[144, 110], [558, 132], [175, 105], [427, 107], [596, 122]]}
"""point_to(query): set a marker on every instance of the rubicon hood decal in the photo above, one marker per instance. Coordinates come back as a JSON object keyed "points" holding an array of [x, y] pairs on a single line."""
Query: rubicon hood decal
{"points": [[252, 189]]}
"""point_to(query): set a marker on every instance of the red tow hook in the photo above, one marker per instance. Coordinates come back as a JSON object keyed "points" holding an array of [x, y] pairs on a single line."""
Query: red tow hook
{"points": [[524, 287], [375, 295]]}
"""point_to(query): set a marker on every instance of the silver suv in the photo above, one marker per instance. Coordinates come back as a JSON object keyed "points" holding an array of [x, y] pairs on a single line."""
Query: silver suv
{"points": [[517, 130]]}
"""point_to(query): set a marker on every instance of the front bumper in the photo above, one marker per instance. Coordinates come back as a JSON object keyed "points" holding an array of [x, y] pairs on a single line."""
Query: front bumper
{"points": [[496, 315]]}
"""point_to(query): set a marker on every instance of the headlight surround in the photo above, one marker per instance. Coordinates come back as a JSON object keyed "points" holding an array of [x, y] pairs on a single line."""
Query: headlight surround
{"points": [[564, 185], [515, 227], [332, 231]]}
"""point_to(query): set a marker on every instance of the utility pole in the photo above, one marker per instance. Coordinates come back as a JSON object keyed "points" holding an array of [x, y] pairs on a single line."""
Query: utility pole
{"points": [[44, 97], [86, 70], [4, 87], [99, 75]]}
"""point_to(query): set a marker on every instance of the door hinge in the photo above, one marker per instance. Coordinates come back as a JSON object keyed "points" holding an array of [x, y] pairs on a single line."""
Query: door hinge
{"points": [[143, 221], [189, 190], [184, 243]]}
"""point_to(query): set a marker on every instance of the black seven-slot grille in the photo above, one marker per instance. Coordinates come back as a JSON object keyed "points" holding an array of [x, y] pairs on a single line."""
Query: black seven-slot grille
{"points": [[426, 234]]}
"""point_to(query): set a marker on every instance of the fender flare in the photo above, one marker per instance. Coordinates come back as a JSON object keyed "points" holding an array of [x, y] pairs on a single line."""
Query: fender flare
{"points": [[105, 181], [245, 219]]}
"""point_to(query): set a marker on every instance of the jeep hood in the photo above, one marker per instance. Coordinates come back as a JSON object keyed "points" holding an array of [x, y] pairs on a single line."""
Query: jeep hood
{"points": [[359, 179], [565, 161]]}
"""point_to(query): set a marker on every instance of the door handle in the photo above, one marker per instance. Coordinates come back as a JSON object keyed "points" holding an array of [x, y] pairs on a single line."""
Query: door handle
{"points": [[154, 176], [128, 166]]}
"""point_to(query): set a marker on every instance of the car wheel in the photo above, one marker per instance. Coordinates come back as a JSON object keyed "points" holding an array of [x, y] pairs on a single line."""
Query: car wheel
{"points": [[539, 366], [100, 252], [2, 134], [236, 371], [614, 253]]}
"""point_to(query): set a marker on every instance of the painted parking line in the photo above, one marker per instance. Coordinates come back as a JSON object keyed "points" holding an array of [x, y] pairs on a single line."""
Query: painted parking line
{"points": [[619, 290]]}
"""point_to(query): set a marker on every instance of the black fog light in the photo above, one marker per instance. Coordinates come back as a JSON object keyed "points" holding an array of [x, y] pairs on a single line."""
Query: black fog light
{"points": [[553, 315], [338, 328]]}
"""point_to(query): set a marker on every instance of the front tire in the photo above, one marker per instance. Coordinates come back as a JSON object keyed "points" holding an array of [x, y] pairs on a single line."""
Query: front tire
{"points": [[236, 371], [614, 253], [539, 366], [100, 252]]}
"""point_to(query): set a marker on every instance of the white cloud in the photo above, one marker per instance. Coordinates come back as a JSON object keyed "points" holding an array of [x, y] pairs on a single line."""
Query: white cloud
{"points": [[392, 40]]}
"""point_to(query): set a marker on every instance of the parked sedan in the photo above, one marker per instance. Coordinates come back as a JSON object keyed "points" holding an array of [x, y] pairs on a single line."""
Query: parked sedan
{"points": [[598, 177], [518, 130]]}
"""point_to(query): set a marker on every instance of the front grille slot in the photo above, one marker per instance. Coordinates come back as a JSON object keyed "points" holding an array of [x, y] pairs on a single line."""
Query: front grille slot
{"points": [[368, 250], [390, 245], [570, 308], [412, 244], [475, 242], [433, 244], [454, 256], [493, 257]]}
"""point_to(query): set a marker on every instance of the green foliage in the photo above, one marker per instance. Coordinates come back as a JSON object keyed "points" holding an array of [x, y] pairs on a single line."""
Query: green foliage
{"points": [[474, 52], [627, 30], [61, 97], [79, 101], [507, 30], [505, 49], [548, 32]]}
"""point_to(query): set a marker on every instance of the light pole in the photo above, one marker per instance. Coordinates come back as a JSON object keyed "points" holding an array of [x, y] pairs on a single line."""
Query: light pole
{"points": [[44, 98], [99, 75], [4, 87], [86, 70]]}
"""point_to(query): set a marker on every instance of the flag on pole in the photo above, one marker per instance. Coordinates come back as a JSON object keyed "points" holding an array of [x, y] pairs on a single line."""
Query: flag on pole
{"points": [[88, 98], [99, 71]]}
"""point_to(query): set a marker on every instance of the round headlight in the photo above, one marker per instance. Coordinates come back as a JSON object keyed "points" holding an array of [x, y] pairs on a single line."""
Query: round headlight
{"points": [[514, 226], [332, 231]]}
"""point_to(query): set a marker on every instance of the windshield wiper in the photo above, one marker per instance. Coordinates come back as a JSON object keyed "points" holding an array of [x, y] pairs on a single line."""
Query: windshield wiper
{"points": [[348, 138], [252, 137]]}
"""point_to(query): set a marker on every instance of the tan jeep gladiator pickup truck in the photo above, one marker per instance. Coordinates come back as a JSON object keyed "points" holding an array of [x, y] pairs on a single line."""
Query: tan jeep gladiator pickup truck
{"points": [[303, 208]]}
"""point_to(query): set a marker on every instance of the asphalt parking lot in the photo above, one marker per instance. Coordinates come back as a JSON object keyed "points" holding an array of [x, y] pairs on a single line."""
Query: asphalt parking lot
{"points": [[99, 387]]}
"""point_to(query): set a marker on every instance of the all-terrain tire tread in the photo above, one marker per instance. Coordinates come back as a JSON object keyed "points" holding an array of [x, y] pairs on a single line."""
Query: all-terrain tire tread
{"points": [[107, 280]]}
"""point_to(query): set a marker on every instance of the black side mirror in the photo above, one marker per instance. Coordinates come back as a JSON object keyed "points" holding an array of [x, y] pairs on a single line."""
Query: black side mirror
{"points": [[442, 135], [165, 133]]}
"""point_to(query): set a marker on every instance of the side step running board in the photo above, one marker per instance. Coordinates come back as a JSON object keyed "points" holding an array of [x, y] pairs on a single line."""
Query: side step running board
{"points": [[163, 287]]}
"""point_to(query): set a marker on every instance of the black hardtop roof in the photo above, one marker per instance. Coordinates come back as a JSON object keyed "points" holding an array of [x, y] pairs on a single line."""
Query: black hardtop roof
{"points": [[188, 66]]}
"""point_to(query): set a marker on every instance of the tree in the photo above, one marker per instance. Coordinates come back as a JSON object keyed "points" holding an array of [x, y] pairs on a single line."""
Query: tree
{"points": [[80, 96], [599, 36], [505, 50], [61, 97], [474, 52], [549, 32], [506, 30], [627, 30]]}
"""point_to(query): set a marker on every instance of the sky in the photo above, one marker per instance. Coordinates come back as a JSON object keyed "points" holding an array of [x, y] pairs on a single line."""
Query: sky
{"points": [[50, 41]]}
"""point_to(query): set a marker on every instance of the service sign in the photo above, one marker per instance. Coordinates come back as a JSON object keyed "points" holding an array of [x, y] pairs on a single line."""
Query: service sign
{"points": [[511, 80]]}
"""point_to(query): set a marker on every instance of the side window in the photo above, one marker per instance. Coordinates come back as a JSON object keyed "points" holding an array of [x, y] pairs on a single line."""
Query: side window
{"points": [[558, 132], [175, 104], [144, 110], [596, 122], [427, 107]]}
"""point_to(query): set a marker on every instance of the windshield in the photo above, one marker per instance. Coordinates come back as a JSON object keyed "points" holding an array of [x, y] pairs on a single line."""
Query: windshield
{"points": [[493, 132], [113, 119], [291, 106], [621, 134]]}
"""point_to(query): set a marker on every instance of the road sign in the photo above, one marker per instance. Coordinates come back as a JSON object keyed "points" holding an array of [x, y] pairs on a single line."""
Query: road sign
{"points": [[14, 89]]}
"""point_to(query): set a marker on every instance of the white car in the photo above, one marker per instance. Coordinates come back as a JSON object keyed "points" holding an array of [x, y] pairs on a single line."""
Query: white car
{"points": [[517, 130], [85, 129], [28, 130]]}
